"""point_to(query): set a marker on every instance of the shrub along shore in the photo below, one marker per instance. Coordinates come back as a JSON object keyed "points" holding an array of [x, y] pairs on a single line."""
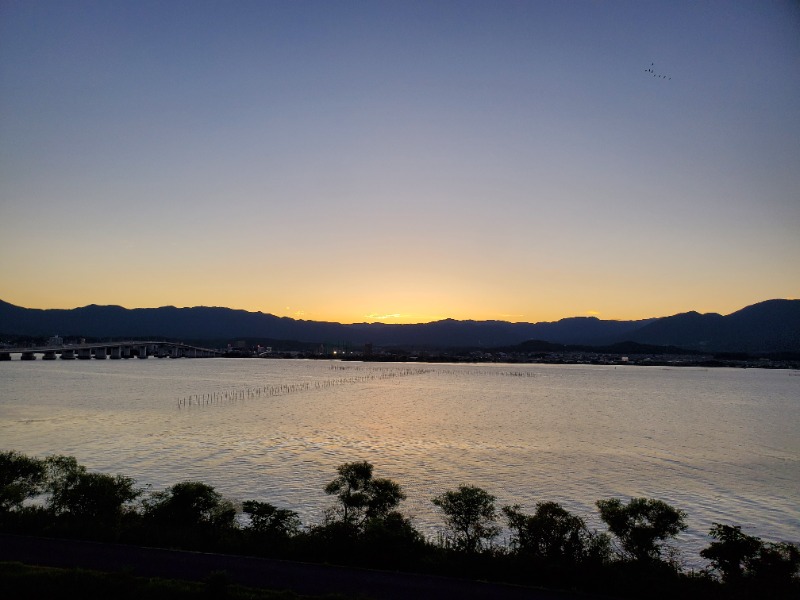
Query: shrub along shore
{"points": [[549, 547]]}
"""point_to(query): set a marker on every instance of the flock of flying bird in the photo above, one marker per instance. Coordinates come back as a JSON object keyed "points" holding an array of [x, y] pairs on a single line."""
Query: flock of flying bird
{"points": [[654, 74]]}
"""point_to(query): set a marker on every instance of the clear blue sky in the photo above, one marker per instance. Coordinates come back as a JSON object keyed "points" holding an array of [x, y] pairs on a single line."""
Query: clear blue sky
{"points": [[401, 161]]}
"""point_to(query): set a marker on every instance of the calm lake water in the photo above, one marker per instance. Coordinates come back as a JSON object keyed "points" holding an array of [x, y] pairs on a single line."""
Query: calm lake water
{"points": [[722, 444]]}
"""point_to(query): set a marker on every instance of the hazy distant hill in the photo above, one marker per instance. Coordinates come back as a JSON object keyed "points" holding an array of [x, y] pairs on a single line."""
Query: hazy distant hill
{"points": [[766, 327]]}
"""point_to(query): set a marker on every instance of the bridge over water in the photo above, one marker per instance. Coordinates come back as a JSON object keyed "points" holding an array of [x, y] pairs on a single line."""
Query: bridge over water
{"points": [[111, 350]]}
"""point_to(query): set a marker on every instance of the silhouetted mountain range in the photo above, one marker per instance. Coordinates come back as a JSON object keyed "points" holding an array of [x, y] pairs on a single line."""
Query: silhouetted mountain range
{"points": [[770, 326]]}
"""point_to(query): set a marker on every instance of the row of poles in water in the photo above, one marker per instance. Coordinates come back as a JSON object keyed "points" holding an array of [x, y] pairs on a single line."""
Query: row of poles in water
{"points": [[460, 372], [269, 391], [482, 373]]}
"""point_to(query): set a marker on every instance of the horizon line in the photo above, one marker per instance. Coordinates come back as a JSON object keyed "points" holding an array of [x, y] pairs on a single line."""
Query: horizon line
{"points": [[587, 315]]}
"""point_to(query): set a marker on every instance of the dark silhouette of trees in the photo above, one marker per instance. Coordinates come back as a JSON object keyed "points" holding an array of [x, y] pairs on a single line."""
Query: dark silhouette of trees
{"points": [[95, 496], [190, 504], [362, 498], [271, 530], [391, 542], [470, 515], [549, 547], [642, 526], [384, 495], [732, 552], [364, 527], [737, 556], [21, 478], [271, 521], [553, 534], [90, 497], [777, 563]]}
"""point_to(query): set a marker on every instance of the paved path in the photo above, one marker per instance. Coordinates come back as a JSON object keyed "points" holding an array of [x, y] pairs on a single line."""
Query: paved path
{"points": [[302, 578]]}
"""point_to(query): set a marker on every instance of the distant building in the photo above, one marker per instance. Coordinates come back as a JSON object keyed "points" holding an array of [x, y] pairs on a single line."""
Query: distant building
{"points": [[56, 340]]}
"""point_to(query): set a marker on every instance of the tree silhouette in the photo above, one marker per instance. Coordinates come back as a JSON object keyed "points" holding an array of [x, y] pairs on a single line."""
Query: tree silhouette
{"points": [[271, 521], [95, 496], [642, 526], [98, 498], [777, 564], [470, 515], [190, 504], [738, 557], [732, 551], [554, 534], [361, 497], [21, 477]]}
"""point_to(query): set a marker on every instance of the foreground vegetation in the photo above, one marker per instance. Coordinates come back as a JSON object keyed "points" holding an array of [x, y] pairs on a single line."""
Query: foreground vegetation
{"points": [[549, 547], [24, 581]]}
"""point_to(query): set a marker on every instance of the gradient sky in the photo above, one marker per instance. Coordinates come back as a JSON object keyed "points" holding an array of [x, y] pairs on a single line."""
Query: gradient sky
{"points": [[401, 161]]}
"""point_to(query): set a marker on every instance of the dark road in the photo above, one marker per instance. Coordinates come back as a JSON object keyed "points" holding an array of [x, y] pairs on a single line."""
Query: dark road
{"points": [[302, 578]]}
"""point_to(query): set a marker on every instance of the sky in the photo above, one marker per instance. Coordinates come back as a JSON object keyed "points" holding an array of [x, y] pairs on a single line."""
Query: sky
{"points": [[401, 162]]}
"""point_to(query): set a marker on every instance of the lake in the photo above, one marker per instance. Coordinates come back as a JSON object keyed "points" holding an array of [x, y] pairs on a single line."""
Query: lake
{"points": [[721, 444]]}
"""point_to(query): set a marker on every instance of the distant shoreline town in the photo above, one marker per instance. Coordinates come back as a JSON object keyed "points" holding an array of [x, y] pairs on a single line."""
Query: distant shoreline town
{"points": [[532, 352], [566, 357], [766, 334]]}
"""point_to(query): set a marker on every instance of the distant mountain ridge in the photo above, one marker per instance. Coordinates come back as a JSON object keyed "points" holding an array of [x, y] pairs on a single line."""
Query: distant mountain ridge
{"points": [[770, 326]]}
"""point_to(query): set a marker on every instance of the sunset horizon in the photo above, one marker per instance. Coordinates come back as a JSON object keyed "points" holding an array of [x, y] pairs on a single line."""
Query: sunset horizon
{"points": [[401, 163], [400, 319], [537, 262]]}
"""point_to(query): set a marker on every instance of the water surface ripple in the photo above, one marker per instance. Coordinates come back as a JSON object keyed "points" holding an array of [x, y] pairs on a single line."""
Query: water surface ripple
{"points": [[721, 444]]}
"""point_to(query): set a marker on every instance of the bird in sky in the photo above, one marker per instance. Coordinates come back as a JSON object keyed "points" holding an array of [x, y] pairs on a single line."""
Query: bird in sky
{"points": [[656, 75]]}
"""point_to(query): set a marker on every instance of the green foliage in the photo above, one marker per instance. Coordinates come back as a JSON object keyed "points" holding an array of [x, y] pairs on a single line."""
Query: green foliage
{"points": [[269, 520], [21, 478], [470, 516], [642, 526], [553, 534], [361, 497]]}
